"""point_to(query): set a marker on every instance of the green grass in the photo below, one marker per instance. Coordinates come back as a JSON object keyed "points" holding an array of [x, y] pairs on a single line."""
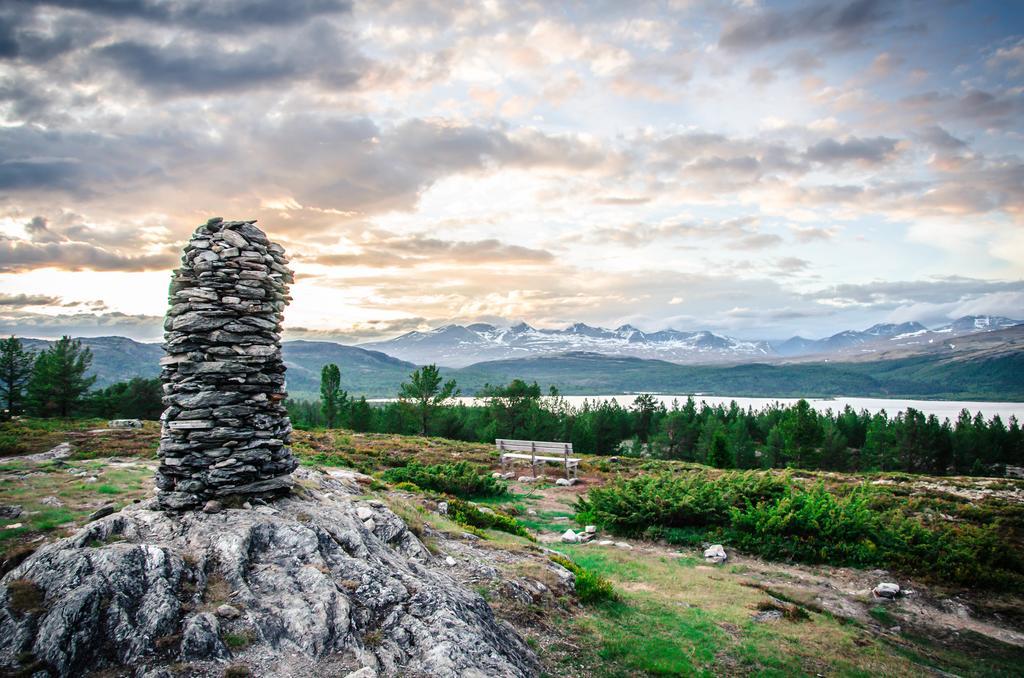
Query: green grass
{"points": [[108, 489]]}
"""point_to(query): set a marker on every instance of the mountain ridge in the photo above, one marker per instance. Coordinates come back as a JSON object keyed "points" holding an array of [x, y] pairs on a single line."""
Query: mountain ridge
{"points": [[457, 346]]}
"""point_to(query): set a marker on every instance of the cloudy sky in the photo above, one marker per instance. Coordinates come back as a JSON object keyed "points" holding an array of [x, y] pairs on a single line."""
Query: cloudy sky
{"points": [[754, 167]]}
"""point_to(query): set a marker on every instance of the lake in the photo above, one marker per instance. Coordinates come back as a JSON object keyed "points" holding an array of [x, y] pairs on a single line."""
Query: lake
{"points": [[943, 409]]}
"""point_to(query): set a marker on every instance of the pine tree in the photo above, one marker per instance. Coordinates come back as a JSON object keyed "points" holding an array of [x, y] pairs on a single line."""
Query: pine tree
{"points": [[718, 451], [361, 418], [332, 398], [424, 393], [15, 373], [58, 379]]}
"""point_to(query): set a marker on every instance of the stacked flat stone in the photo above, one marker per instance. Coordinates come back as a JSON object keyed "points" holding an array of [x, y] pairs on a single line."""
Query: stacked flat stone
{"points": [[225, 430]]}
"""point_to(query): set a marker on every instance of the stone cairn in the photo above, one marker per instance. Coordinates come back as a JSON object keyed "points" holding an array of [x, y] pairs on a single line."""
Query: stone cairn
{"points": [[225, 429]]}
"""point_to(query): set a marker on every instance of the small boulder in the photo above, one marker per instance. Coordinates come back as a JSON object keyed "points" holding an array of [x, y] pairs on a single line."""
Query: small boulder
{"points": [[526, 479], [566, 482], [715, 554], [370, 525], [508, 476], [14, 526], [51, 501], [442, 508], [228, 612], [364, 513], [590, 529], [886, 590], [12, 511], [449, 561], [496, 475], [212, 506], [124, 423], [570, 537], [623, 545]]}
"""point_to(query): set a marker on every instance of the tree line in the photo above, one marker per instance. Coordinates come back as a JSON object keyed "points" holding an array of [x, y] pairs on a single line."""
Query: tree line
{"points": [[724, 436], [54, 382]]}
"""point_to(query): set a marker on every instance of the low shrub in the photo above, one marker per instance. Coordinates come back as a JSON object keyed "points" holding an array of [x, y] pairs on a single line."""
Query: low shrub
{"points": [[779, 518], [590, 586], [466, 513], [461, 479]]}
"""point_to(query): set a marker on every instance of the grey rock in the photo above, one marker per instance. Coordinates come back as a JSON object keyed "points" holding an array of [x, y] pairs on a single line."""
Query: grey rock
{"points": [[212, 506], [124, 423], [886, 590], [103, 512], [228, 612], [201, 639], [715, 554], [11, 511], [108, 606]]}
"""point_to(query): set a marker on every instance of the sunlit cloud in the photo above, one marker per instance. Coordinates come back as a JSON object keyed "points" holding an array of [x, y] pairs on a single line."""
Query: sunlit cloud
{"points": [[763, 168]]}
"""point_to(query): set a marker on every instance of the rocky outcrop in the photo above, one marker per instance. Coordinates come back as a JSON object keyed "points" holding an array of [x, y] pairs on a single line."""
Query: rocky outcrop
{"points": [[318, 584], [225, 430]]}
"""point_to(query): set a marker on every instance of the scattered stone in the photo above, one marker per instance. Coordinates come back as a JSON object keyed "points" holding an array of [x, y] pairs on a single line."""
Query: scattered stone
{"points": [[613, 460], [508, 476], [51, 501], [124, 423], [13, 526], [526, 479], [363, 513], [449, 561], [90, 479], [886, 590], [590, 529], [623, 545], [365, 672], [570, 537], [497, 475], [442, 508], [370, 525], [228, 612], [102, 512], [768, 616], [531, 512], [605, 542], [212, 506], [715, 554], [12, 511], [567, 482]]}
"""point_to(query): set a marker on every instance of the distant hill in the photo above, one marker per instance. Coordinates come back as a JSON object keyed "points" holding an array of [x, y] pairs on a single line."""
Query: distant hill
{"points": [[999, 376], [985, 365], [364, 372]]}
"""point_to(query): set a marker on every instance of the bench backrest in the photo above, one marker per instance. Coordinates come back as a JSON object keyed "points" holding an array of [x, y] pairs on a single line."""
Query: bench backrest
{"points": [[533, 446]]}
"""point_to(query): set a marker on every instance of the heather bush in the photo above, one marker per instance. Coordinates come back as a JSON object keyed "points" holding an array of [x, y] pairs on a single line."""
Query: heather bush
{"points": [[461, 479], [779, 518]]}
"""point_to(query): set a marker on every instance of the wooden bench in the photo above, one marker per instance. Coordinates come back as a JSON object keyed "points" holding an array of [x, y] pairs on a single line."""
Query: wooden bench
{"points": [[538, 452]]}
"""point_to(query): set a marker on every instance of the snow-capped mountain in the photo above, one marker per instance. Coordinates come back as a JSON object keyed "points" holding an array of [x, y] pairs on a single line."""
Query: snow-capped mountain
{"points": [[458, 345], [977, 323], [462, 345], [888, 336]]}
